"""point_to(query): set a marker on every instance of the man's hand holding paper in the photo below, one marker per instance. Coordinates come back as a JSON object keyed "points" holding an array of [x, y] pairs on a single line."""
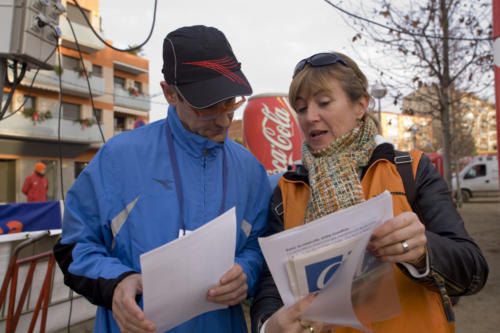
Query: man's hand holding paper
{"points": [[178, 276], [232, 289], [126, 312]]}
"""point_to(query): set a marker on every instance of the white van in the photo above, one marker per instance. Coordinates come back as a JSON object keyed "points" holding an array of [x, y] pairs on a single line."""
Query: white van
{"points": [[478, 178]]}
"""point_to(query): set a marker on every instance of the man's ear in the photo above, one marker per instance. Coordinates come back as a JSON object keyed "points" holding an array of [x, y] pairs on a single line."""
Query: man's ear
{"points": [[170, 93]]}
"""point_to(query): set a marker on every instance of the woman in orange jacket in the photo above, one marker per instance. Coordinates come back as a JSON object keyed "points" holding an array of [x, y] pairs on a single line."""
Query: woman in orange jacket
{"points": [[344, 162]]}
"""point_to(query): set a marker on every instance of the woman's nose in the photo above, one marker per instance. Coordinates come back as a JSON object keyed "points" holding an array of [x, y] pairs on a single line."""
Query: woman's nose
{"points": [[312, 113]]}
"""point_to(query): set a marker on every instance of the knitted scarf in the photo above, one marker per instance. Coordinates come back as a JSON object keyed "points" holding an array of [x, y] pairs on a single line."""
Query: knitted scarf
{"points": [[333, 171]]}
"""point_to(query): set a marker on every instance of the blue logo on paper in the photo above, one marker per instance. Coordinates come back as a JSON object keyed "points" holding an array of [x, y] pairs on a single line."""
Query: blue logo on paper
{"points": [[319, 273]]}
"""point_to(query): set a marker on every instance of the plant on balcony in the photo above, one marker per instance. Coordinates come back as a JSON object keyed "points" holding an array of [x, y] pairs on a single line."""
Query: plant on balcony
{"points": [[82, 72], [133, 91], [58, 69], [85, 122], [136, 52], [36, 116]]}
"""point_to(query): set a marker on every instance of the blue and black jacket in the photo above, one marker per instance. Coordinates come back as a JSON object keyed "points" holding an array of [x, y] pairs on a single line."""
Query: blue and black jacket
{"points": [[125, 203]]}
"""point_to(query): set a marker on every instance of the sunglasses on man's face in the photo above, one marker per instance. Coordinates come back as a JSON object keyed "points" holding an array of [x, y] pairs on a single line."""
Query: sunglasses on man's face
{"points": [[319, 60], [212, 112]]}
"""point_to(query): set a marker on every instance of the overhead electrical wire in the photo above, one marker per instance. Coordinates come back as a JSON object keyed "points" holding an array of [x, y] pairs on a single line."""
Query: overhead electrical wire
{"points": [[94, 112], [90, 90], [16, 80], [59, 127], [30, 87], [402, 31], [111, 46]]}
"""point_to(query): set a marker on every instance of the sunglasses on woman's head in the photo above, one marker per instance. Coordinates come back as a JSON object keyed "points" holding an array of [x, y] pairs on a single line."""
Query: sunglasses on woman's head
{"points": [[319, 60]]}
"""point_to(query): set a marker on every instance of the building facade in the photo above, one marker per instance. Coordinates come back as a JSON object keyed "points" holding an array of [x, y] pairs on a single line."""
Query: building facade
{"points": [[407, 132], [66, 138], [480, 116], [469, 115]]}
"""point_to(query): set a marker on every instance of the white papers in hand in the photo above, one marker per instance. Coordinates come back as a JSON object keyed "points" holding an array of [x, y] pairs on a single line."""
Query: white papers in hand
{"points": [[324, 255], [311, 271], [176, 276]]}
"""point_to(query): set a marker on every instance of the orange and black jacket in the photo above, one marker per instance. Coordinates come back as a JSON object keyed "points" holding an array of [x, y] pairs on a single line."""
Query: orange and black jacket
{"points": [[457, 266]]}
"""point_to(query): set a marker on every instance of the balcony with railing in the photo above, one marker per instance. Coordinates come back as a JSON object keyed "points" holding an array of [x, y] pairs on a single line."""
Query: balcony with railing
{"points": [[45, 127], [87, 41], [73, 82], [129, 99]]}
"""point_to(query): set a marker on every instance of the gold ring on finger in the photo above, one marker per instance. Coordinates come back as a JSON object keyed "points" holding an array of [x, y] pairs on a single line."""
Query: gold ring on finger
{"points": [[306, 327]]}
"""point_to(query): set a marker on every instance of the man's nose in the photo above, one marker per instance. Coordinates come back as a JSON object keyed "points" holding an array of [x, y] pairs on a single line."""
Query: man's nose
{"points": [[224, 119]]}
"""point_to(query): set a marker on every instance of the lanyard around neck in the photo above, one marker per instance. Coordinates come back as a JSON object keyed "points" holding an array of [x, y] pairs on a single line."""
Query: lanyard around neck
{"points": [[177, 176]]}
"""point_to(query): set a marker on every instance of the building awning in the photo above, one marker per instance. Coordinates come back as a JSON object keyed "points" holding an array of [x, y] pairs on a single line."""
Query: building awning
{"points": [[41, 148], [133, 112], [128, 68]]}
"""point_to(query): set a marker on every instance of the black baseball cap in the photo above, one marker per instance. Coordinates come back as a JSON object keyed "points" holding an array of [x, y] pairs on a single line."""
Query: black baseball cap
{"points": [[199, 61]]}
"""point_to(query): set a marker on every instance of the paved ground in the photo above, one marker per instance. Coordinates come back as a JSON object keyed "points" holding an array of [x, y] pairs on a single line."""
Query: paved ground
{"points": [[474, 314], [479, 313]]}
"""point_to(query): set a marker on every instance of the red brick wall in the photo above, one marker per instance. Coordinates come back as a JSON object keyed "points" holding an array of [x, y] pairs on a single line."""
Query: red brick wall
{"points": [[235, 131]]}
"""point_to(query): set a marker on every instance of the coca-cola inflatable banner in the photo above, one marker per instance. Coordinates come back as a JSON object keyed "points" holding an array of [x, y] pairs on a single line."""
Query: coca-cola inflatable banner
{"points": [[271, 132]]}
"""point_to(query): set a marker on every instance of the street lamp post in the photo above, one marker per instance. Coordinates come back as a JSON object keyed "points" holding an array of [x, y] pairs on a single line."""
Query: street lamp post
{"points": [[414, 129], [379, 92]]}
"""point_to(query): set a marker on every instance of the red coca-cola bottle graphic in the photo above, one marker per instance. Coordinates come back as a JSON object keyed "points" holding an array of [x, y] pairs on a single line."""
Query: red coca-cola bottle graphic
{"points": [[271, 131]]}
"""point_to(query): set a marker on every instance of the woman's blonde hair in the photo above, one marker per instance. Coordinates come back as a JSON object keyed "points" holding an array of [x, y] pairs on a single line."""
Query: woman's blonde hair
{"points": [[351, 78]]}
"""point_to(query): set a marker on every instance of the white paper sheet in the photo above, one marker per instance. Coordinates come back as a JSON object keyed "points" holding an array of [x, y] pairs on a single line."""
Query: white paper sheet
{"points": [[333, 304], [176, 276]]}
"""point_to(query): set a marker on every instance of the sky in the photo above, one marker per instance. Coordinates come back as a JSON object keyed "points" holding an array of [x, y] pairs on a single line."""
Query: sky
{"points": [[267, 36]]}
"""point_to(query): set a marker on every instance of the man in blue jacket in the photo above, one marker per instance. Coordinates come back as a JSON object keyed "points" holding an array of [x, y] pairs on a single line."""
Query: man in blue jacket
{"points": [[151, 185]]}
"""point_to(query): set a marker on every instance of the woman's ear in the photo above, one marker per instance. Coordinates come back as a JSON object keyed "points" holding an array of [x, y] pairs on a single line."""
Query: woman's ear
{"points": [[170, 93], [362, 106]]}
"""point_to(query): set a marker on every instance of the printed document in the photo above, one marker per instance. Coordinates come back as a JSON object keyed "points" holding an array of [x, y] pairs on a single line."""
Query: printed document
{"points": [[328, 257], [176, 277]]}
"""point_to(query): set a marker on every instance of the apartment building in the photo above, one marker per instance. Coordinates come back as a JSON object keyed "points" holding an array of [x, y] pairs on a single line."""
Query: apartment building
{"points": [[481, 115], [42, 131], [407, 132], [469, 114]]}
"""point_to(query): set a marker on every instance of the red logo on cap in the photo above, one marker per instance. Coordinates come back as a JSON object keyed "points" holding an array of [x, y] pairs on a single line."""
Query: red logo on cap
{"points": [[222, 66]]}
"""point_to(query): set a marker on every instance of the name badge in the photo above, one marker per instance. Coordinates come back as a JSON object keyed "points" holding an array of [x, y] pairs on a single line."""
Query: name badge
{"points": [[183, 233]]}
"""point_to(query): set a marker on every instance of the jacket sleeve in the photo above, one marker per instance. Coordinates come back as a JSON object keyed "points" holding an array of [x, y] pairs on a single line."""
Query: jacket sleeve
{"points": [[26, 185], [453, 255], [84, 251], [250, 257], [267, 299]]}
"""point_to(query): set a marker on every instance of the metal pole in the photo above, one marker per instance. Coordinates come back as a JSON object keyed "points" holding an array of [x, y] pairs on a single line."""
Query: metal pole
{"points": [[379, 112], [3, 71], [496, 54]]}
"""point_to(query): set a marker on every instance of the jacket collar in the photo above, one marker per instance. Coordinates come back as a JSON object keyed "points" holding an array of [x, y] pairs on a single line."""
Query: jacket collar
{"points": [[189, 142], [384, 150]]}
